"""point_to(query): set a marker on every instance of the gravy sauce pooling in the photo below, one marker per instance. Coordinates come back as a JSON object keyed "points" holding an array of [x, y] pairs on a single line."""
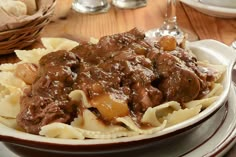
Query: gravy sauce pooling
{"points": [[121, 75]]}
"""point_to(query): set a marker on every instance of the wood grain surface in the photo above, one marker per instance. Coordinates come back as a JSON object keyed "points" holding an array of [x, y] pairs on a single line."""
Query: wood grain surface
{"points": [[208, 27]]}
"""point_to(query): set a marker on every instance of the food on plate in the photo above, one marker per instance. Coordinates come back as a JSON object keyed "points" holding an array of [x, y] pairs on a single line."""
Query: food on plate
{"points": [[121, 85], [168, 43]]}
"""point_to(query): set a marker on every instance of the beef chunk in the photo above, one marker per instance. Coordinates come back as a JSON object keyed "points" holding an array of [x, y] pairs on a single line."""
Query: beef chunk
{"points": [[47, 101], [178, 82]]}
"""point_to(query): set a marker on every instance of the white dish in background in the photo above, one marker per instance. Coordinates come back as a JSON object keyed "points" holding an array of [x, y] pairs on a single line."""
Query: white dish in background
{"points": [[212, 8], [220, 3]]}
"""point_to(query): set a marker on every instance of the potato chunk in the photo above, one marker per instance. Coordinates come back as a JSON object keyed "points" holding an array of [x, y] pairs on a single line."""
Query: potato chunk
{"points": [[109, 107], [168, 43]]}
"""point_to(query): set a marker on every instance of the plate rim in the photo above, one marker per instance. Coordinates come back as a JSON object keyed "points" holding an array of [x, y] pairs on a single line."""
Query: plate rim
{"points": [[228, 140]]}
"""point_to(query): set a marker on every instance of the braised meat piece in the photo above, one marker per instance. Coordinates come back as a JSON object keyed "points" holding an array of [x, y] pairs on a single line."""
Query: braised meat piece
{"points": [[177, 81], [144, 97], [122, 41], [109, 46], [191, 62], [47, 101]]}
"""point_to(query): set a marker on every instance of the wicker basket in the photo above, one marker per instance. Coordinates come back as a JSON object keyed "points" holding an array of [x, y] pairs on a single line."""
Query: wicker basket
{"points": [[24, 36]]}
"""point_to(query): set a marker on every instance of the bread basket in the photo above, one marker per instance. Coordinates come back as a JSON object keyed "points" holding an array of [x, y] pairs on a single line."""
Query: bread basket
{"points": [[25, 32]]}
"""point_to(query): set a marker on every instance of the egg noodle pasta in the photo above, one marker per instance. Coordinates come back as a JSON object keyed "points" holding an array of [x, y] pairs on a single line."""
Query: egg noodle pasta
{"points": [[87, 124], [153, 115], [9, 122], [8, 67]]}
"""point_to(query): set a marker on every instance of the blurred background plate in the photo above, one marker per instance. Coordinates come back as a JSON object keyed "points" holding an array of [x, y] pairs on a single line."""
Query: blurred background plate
{"points": [[220, 3], [212, 8]]}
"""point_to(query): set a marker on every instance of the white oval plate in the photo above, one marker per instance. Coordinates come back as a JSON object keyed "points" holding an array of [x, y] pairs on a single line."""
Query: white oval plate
{"points": [[217, 11], [211, 50]]}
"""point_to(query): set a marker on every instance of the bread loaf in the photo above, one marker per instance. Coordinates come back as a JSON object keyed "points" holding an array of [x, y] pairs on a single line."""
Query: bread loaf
{"points": [[31, 6], [13, 8]]}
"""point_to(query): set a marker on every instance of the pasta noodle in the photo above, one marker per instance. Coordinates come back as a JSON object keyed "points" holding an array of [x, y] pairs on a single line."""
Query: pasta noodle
{"points": [[10, 104], [89, 121], [31, 56], [60, 130], [55, 44], [50, 44], [216, 90], [8, 67], [3, 91], [181, 115], [132, 126], [10, 122], [10, 81], [79, 96], [152, 115], [206, 102]]}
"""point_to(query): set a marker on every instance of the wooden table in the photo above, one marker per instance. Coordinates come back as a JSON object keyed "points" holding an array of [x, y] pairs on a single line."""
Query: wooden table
{"points": [[80, 26]]}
